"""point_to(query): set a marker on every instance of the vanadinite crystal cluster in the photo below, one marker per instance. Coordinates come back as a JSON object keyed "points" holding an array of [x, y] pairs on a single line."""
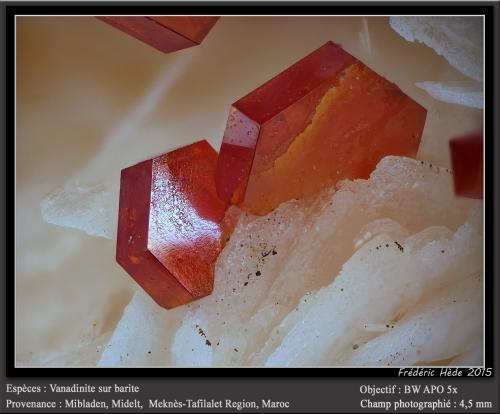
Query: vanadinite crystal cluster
{"points": [[327, 117]]}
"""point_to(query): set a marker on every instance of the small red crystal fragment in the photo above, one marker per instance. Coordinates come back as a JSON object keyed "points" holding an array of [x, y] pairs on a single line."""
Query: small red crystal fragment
{"points": [[165, 33], [169, 224], [467, 163], [325, 118]]}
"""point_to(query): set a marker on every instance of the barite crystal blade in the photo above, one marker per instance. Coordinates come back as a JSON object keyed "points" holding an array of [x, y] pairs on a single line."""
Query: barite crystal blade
{"points": [[165, 33], [325, 118], [169, 224], [467, 164]]}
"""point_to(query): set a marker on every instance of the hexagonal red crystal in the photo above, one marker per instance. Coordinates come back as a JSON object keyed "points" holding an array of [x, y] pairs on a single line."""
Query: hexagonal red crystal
{"points": [[325, 118], [165, 33], [467, 163], [169, 224]]}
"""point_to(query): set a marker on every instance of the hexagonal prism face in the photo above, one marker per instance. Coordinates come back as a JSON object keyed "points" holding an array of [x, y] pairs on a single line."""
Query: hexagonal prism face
{"points": [[169, 224], [165, 33], [467, 164], [325, 118]]}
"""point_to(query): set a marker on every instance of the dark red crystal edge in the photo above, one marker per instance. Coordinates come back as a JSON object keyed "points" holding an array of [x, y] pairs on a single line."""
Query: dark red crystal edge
{"points": [[466, 153]]}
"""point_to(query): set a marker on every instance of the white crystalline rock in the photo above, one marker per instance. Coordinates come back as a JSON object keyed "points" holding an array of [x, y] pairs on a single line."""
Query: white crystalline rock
{"points": [[459, 93], [85, 354], [380, 226], [272, 264], [259, 247], [143, 334], [83, 207], [435, 331], [458, 39], [381, 282]]}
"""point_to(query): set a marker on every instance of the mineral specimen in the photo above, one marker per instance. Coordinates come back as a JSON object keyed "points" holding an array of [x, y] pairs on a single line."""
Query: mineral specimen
{"points": [[326, 118], [165, 33], [169, 224], [257, 294], [467, 161]]}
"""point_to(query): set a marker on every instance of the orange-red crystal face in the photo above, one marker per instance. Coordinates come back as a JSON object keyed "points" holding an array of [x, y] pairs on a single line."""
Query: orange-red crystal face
{"points": [[169, 225], [165, 33], [326, 118], [467, 164]]}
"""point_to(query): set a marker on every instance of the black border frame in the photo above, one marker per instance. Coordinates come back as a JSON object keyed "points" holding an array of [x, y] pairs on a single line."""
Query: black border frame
{"points": [[488, 9]]}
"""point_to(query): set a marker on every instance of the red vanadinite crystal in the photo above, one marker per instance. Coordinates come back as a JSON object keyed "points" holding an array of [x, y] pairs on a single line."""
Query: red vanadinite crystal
{"points": [[467, 163], [165, 33], [325, 118], [169, 224]]}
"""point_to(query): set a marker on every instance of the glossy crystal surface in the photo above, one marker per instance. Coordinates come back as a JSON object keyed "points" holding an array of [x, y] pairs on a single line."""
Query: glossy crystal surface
{"points": [[467, 162], [169, 225], [325, 118], [165, 33]]}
